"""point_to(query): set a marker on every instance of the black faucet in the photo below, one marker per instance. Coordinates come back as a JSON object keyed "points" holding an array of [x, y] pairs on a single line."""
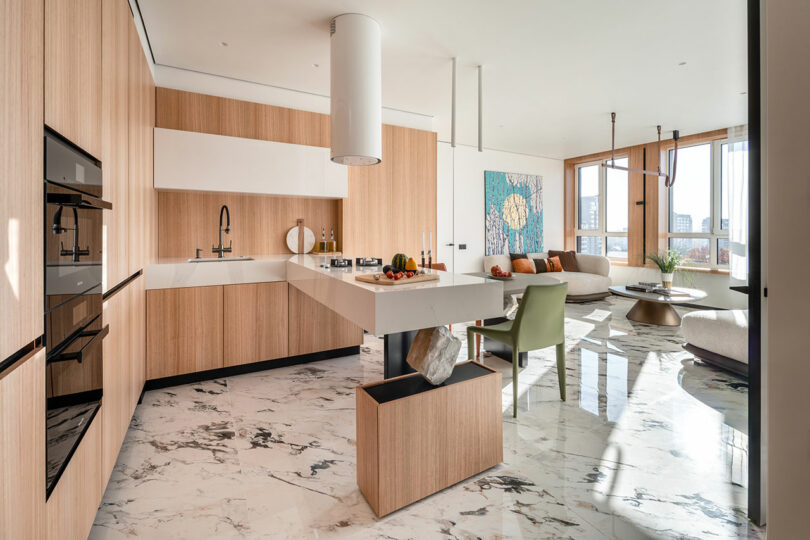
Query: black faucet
{"points": [[222, 250], [76, 252]]}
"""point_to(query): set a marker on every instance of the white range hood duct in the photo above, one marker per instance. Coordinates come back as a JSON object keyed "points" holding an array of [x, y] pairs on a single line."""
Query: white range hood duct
{"points": [[356, 90]]}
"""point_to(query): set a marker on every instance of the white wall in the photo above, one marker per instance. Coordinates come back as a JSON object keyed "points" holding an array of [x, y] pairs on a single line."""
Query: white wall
{"points": [[715, 285], [460, 206]]}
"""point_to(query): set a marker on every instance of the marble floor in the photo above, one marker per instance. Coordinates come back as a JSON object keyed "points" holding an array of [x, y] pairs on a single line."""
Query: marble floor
{"points": [[650, 444]]}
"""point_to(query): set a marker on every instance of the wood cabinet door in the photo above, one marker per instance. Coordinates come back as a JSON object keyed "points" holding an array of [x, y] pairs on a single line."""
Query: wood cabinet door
{"points": [[22, 448], [183, 330], [314, 327], [114, 145], [255, 322], [137, 327], [74, 501], [21, 173], [73, 71], [137, 170], [117, 353]]}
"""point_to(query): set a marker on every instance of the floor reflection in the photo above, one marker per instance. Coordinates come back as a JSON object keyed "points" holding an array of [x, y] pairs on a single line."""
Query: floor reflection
{"points": [[649, 444]]}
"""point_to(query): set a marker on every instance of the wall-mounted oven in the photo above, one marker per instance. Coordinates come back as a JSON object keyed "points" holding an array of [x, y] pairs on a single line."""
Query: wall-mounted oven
{"points": [[73, 302]]}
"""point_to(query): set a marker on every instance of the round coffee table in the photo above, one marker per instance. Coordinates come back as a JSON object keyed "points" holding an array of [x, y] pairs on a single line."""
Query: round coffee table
{"points": [[652, 308]]}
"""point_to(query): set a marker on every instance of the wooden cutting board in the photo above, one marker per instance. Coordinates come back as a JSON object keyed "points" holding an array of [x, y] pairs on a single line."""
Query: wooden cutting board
{"points": [[369, 278]]}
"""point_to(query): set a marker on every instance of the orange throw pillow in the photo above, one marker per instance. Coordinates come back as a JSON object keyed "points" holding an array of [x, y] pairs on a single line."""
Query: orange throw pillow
{"points": [[523, 266], [554, 264]]}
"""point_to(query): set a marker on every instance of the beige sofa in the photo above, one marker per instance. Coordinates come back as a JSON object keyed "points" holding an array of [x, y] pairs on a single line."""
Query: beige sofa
{"points": [[589, 284]]}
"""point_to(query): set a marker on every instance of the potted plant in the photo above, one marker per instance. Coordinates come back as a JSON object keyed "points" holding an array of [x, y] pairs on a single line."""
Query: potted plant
{"points": [[667, 262]]}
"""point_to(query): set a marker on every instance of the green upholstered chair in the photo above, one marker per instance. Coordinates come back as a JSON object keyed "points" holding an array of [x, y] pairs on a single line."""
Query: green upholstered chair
{"points": [[539, 323]]}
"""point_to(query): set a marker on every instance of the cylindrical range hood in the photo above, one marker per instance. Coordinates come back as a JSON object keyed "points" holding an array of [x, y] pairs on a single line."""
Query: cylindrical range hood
{"points": [[356, 90]]}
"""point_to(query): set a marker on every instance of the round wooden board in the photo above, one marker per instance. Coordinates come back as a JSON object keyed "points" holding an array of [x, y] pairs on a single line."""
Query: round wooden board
{"points": [[292, 240]]}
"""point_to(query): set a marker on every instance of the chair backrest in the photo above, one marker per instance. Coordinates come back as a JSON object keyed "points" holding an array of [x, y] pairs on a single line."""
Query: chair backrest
{"points": [[438, 266], [540, 320]]}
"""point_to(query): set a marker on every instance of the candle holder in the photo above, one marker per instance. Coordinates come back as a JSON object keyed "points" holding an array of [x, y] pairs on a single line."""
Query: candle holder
{"points": [[430, 258], [423, 258]]}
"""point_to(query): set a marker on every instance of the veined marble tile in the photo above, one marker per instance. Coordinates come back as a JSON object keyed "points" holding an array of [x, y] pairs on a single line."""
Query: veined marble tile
{"points": [[649, 444]]}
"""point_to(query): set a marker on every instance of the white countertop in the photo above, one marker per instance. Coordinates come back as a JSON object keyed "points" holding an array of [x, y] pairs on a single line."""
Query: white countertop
{"points": [[379, 309], [174, 273], [384, 309]]}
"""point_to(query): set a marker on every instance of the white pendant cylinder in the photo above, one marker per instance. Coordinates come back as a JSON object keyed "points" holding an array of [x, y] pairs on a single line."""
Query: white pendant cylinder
{"points": [[356, 90]]}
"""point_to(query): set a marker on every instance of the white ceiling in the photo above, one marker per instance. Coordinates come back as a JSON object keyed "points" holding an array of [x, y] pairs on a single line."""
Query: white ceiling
{"points": [[553, 69]]}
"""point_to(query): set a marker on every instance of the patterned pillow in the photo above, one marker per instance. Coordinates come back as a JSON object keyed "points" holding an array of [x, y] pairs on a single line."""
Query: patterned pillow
{"points": [[552, 264]]}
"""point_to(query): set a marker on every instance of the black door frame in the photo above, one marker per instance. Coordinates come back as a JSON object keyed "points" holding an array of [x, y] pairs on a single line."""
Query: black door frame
{"points": [[755, 464]]}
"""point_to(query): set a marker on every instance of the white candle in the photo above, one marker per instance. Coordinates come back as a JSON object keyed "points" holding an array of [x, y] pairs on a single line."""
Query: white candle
{"points": [[430, 241], [423, 241]]}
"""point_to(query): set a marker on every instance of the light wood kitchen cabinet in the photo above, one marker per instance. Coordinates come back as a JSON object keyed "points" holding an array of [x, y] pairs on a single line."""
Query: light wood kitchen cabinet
{"points": [[21, 173], [22, 448], [74, 501], [137, 322], [116, 20], [316, 328], [117, 354], [183, 331], [255, 322], [73, 71], [142, 196]]}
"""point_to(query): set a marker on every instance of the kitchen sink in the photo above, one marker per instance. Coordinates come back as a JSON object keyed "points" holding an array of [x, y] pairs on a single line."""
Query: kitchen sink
{"points": [[218, 259]]}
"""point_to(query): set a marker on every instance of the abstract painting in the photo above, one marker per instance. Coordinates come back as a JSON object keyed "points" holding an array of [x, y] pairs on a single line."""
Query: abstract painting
{"points": [[513, 204]]}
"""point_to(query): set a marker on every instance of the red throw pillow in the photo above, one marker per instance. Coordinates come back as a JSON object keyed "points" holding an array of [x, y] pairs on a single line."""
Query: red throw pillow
{"points": [[554, 264], [522, 266]]}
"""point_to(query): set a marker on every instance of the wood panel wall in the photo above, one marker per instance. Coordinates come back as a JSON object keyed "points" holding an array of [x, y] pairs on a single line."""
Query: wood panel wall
{"points": [[189, 111], [21, 173], [656, 230], [259, 223], [388, 208]]}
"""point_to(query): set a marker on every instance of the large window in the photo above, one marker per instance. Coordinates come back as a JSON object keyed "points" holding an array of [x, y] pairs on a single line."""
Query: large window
{"points": [[699, 206], [601, 196]]}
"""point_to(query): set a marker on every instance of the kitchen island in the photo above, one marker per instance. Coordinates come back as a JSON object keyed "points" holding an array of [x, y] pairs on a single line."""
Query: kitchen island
{"points": [[395, 313]]}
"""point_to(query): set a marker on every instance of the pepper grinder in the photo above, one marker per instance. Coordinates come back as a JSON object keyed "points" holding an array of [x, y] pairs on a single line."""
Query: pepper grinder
{"points": [[423, 249], [430, 251]]}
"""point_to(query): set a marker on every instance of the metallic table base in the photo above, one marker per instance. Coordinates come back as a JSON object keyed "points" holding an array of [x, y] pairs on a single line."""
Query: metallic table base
{"points": [[654, 313]]}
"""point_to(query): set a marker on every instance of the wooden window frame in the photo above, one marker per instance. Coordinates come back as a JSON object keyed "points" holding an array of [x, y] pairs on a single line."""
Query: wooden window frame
{"points": [[601, 231]]}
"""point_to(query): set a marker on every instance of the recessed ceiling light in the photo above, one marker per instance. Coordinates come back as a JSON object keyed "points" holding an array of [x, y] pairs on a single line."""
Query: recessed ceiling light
{"points": [[223, 43], [681, 63]]}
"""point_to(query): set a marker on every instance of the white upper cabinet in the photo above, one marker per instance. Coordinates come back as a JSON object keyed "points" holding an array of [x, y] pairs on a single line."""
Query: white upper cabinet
{"points": [[188, 160]]}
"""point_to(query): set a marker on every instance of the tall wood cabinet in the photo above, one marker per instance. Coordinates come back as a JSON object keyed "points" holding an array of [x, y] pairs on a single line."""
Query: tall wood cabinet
{"points": [[22, 448], [21, 172], [115, 31], [73, 71]]}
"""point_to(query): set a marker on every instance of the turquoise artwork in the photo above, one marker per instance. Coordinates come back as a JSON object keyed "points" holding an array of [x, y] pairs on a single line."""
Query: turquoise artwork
{"points": [[513, 204]]}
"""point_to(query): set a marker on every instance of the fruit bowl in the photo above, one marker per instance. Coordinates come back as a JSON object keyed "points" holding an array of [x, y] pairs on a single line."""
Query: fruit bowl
{"points": [[501, 278]]}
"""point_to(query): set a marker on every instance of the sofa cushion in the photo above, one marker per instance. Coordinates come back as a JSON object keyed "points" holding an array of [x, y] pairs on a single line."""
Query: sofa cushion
{"points": [[523, 266], [568, 259], [593, 264], [723, 332], [522, 256], [580, 283]]}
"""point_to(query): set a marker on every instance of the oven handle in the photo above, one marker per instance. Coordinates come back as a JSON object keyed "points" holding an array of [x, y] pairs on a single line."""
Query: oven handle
{"points": [[97, 336]]}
